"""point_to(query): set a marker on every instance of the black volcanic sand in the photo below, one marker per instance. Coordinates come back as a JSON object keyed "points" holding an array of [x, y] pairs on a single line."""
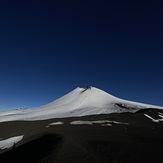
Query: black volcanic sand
{"points": [[139, 142]]}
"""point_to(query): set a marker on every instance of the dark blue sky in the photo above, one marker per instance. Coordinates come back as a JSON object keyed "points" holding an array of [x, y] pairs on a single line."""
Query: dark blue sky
{"points": [[48, 48]]}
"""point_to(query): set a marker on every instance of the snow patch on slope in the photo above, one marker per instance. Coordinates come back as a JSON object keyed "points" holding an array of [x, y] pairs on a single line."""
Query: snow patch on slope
{"points": [[155, 120], [55, 123], [103, 122], [10, 142]]}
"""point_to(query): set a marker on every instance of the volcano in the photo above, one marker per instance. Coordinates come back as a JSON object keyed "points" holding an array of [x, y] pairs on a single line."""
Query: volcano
{"points": [[81, 101]]}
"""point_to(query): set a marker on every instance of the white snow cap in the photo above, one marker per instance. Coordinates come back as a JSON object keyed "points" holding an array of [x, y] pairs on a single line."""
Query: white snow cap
{"points": [[79, 102]]}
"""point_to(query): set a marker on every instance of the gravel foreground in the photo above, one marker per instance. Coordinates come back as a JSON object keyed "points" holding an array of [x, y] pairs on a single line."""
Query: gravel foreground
{"points": [[112, 138]]}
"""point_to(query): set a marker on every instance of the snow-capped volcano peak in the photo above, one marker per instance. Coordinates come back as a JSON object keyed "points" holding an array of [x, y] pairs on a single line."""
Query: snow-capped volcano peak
{"points": [[81, 97], [79, 102]]}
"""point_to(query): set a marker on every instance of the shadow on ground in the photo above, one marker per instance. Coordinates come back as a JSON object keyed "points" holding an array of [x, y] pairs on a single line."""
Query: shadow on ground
{"points": [[41, 150]]}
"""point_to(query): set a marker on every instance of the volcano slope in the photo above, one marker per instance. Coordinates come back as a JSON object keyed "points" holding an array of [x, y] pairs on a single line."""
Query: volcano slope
{"points": [[114, 138]]}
